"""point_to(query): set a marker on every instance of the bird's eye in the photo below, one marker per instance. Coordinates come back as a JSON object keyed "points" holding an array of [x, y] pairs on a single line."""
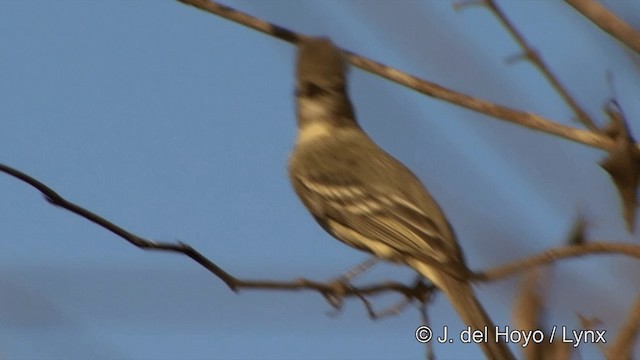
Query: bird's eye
{"points": [[309, 89]]}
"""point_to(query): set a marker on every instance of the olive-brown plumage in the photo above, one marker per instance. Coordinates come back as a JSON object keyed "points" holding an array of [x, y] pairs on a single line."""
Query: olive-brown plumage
{"points": [[363, 196]]}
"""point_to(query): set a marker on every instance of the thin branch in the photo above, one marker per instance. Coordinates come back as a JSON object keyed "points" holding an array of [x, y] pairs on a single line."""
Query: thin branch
{"points": [[609, 22], [553, 255], [424, 315], [523, 118], [532, 55], [55, 199], [335, 289], [232, 14], [397, 308]]}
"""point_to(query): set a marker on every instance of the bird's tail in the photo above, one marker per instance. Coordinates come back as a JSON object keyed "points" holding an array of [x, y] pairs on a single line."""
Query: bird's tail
{"points": [[464, 301]]}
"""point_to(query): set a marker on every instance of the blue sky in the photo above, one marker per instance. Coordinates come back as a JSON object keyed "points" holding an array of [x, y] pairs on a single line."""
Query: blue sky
{"points": [[176, 125]]}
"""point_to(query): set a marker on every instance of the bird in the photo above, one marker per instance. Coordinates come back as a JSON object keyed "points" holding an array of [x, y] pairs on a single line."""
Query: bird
{"points": [[363, 196]]}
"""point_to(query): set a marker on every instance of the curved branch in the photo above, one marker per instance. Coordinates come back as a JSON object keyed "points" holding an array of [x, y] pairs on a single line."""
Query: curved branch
{"points": [[553, 255]]}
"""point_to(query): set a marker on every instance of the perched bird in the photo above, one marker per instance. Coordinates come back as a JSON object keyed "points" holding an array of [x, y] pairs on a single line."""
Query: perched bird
{"points": [[363, 196]]}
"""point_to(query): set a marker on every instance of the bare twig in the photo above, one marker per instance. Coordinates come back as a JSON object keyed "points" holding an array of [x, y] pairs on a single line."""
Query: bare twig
{"points": [[359, 269], [424, 315], [332, 290], [609, 22], [235, 284], [426, 290], [553, 255], [523, 118], [532, 55], [232, 14], [391, 311], [54, 198]]}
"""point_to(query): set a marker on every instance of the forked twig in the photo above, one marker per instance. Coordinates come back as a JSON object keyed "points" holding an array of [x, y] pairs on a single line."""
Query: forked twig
{"points": [[532, 55]]}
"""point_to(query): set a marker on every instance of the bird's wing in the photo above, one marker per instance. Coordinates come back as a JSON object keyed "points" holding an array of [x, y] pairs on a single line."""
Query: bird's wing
{"points": [[361, 216]]}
